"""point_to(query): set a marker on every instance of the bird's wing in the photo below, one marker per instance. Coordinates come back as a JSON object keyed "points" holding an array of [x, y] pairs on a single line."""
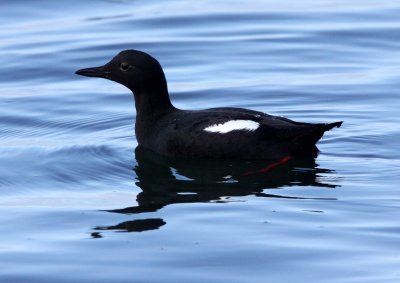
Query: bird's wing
{"points": [[271, 128]]}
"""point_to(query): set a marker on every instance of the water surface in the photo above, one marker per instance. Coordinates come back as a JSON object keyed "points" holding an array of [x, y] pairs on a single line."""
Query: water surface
{"points": [[80, 203]]}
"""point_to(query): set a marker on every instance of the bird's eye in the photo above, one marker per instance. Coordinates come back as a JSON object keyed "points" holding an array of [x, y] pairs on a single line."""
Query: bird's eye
{"points": [[125, 67]]}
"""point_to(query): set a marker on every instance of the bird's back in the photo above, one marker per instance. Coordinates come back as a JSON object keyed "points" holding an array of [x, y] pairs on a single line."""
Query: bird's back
{"points": [[234, 133]]}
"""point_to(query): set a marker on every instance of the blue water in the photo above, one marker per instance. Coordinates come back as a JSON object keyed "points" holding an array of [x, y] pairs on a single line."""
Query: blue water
{"points": [[79, 204]]}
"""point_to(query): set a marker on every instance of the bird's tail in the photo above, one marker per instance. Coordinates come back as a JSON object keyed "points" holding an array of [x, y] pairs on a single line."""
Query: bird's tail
{"points": [[314, 135]]}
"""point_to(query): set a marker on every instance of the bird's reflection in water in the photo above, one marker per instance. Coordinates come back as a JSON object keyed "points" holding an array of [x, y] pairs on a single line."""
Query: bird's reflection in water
{"points": [[167, 181]]}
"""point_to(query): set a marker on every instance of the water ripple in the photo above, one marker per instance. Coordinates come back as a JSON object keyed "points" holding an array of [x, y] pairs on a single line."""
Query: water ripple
{"points": [[65, 167], [69, 141]]}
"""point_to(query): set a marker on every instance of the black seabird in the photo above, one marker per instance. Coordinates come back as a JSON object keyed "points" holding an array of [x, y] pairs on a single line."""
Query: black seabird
{"points": [[211, 133]]}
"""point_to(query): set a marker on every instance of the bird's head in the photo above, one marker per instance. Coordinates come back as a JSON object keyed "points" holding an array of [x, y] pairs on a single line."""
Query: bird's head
{"points": [[134, 69]]}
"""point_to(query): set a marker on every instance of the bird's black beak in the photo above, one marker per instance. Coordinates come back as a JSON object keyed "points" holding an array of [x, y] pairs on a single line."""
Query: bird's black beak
{"points": [[97, 72]]}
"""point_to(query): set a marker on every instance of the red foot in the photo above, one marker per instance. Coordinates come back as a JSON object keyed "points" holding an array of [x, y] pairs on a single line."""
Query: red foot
{"points": [[269, 167]]}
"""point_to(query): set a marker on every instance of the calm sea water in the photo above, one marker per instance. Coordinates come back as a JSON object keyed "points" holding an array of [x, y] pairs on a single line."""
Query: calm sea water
{"points": [[79, 204]]}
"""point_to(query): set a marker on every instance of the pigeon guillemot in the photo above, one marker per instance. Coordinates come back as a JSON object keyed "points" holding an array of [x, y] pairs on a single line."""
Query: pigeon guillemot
{"points": [[211, 133]]}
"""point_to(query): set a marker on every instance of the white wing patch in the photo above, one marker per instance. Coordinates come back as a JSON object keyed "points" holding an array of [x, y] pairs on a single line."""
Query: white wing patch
{"points": [[233, 125]]}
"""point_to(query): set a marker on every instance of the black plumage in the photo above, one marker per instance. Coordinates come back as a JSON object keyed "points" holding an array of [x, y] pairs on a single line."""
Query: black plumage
{"points": [[173, 132]]}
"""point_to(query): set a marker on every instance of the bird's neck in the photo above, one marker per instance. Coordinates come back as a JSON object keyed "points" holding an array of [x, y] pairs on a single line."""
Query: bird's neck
{"points": [[151, 107], [152, 104]]}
